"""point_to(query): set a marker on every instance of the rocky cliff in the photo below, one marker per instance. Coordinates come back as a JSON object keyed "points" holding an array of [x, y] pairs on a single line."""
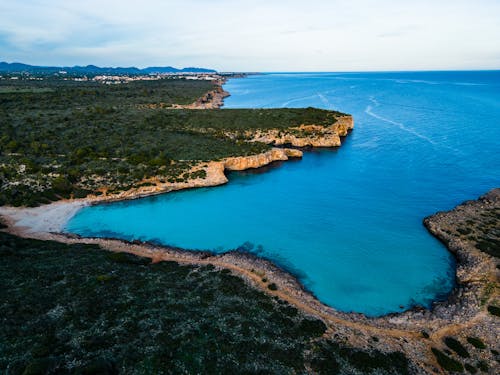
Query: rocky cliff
{"points": [[211, 100], [213, 176], [241, 163], [304, 135]]}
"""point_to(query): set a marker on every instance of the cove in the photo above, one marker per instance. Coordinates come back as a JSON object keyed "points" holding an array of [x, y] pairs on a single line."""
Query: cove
{"points": [[346, 222]]}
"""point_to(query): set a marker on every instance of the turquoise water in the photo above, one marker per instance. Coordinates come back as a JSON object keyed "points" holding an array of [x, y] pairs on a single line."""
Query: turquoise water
{"points": [[347, 222]]}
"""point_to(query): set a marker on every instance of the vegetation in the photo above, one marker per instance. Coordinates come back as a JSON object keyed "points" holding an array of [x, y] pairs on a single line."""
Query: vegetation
{"points": [[447, 363], [331, 358], [483, 231], [62, 138], [494, 310], [483, 366], [476, 342], [272, 286], [79, 309], [456, 346], [470, 368]]}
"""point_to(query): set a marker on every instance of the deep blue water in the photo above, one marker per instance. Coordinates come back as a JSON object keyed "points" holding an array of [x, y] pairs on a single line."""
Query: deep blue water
{"points": [[348, 222]]}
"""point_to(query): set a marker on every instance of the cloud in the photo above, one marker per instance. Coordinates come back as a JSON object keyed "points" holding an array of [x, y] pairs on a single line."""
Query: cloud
{"points": [[259, 35]]}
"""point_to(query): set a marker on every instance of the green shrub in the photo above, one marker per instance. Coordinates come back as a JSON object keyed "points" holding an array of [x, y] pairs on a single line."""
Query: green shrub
{"points": [[272, 286], [476, 342], [104, 278], [61, 185], [312, 327], [456, 346], [39, 366], [328, 357], [483, 366], [128, 258], [470, 368], [494, 310], [447, 363]]}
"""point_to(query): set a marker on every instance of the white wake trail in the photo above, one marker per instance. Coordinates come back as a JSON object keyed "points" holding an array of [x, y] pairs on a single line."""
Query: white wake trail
{"points": [[402, 126], [296, 100], [324, 99]]}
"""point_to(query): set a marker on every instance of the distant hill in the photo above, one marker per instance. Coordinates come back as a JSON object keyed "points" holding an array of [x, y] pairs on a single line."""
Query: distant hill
{"points": [[92, 69]]}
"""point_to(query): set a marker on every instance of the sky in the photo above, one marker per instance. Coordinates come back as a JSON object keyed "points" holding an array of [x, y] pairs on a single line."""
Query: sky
{"points": [[257, 35]]}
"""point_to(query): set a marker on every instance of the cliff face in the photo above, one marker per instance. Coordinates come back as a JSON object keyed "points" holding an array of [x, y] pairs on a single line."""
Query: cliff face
{"points": [[211, 100], [255, 161], [214, 174], [305, 135]]}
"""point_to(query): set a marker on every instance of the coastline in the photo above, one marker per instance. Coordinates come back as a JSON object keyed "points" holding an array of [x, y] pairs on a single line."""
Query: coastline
{"points": [[397, 331], [52, 217]]}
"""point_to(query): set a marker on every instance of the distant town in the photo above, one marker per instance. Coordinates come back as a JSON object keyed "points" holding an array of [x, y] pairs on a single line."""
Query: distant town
{"points": [[109, 76]]}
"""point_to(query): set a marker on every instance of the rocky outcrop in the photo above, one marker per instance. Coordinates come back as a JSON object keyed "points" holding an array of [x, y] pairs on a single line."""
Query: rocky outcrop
{"points": [[211, 100], [241, 163], [304, 135], [214, 175]]}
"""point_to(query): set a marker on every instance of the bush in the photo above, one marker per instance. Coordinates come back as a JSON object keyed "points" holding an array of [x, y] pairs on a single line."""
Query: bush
{"points": [[313, 327], [483, 366], [470, 368], [476, 342], [128, 258], [272, 286], [447, 363], [456, 346], [494, 310], [61, 185]]}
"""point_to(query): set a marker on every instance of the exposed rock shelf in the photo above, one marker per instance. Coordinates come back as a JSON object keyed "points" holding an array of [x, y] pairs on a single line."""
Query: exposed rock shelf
{"points": [[303, 135]]}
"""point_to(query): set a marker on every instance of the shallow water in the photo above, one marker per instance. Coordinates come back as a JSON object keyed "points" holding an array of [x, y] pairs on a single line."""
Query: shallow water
{"points": [[348, 222]]}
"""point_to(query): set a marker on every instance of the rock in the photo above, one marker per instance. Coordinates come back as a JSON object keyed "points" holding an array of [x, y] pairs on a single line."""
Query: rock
{"points": [[304, 135], [241, 163]]}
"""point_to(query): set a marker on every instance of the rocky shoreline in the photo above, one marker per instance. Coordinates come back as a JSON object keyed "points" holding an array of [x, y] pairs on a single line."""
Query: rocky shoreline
{"points": [[213, 99], [413, 332], [305, 135]]}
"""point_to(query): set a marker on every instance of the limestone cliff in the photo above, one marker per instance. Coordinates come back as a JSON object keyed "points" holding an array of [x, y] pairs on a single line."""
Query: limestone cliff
{"points": [[214, 174], [241, 163], [304, 135]]}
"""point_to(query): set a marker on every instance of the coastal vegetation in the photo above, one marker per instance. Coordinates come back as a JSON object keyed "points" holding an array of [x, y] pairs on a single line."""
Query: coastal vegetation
{"points": [[471, 230], [63, 138], [80, 309]]}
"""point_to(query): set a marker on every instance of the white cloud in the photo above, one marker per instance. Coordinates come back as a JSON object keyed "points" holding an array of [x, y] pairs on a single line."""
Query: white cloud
{"points": [[258, 35]]}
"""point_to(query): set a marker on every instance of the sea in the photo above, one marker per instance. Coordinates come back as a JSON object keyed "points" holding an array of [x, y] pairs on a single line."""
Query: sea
{"points": [[347, 222]]}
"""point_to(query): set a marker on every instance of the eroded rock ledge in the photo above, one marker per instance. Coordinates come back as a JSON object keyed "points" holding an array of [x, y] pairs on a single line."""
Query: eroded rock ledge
{"points": [[213, 175], [300, 136], [306, 135]]}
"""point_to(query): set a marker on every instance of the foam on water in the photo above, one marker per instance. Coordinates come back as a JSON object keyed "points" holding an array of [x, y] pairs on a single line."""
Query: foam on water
{"points": [[348, 222]]}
